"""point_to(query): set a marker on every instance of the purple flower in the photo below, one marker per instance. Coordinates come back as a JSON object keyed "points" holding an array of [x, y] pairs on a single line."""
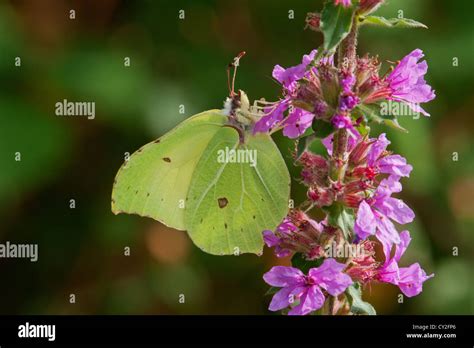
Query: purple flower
{"points": [[347, 82], [298, 120], [341, 121], [345, 3], [278, 239], [307, 289], [408, 84], [394, 165], [273, 116], [409, 279], [288, 238], [288, 77], [375, 214], [348, 101], [320, 108]]}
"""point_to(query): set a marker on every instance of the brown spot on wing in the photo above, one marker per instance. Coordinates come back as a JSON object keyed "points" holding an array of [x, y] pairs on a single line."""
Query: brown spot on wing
{"points": [[167, 159], [222, 202]]}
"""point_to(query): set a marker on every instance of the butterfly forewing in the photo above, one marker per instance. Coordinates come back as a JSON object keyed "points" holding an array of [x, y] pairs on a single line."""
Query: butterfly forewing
{"points": [[154, 182]]}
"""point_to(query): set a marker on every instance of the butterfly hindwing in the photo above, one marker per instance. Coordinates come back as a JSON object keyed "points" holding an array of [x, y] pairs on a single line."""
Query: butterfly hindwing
{"points": [[230, 204]]}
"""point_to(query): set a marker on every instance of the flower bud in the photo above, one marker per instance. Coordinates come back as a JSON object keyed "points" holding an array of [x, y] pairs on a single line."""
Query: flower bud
{"points": [[359, 154], [313, 194], [313, 21], [351, 200]]}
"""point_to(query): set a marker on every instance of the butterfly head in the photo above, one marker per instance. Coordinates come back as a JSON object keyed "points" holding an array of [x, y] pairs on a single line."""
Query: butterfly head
{"points": [[237, 105]]}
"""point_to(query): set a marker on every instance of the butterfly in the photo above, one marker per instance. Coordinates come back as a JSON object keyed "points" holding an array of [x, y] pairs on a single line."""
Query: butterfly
{"points": [[210, 176]]}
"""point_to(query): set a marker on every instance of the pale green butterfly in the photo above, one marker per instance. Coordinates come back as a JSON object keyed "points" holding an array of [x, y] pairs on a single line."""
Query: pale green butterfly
{"points": [[210, 176]]}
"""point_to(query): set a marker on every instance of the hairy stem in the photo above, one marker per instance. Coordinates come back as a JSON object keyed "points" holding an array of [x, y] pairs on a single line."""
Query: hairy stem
{"points": [[347, 62]]}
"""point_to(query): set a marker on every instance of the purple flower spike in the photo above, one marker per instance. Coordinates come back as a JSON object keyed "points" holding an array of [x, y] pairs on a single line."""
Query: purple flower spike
{"points": [[409, 279], [408, 84], [307, 289]]}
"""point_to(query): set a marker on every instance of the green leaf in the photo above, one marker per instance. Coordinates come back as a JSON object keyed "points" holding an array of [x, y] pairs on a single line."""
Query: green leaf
{"points": [[363, 129], [321, 53], [322, 128], [342, 217], [303, 143], [358, 306], [272, 291], [391, 22], [298, 261], [393, 123], [372, 113], [336, 23]]}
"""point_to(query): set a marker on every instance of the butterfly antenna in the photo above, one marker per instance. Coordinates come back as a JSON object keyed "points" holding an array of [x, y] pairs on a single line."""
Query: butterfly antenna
{"points": [[231, 91], [235, 63]]}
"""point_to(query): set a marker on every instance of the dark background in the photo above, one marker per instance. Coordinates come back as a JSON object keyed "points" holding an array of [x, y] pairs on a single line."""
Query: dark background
{"points": [[182, 62]]}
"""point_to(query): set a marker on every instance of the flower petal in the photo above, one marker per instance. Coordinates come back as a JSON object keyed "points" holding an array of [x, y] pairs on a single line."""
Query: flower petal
{"points": [[281, 299], [396, 210], [282, 276], [389, 273], [412, 279], [310, 301], [405, 240], [330, 277], [394, 165], [270, 239], [365, 221], [297, 122], [272, 118], [377, 148], [386, 231]]}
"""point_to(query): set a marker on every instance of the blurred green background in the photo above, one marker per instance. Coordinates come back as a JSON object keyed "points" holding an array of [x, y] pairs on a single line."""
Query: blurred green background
{"points": [[182, 62]]}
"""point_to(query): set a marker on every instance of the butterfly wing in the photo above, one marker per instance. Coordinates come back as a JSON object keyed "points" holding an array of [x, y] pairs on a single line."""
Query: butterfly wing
{"points": [[155, 180], [230, 204]]}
